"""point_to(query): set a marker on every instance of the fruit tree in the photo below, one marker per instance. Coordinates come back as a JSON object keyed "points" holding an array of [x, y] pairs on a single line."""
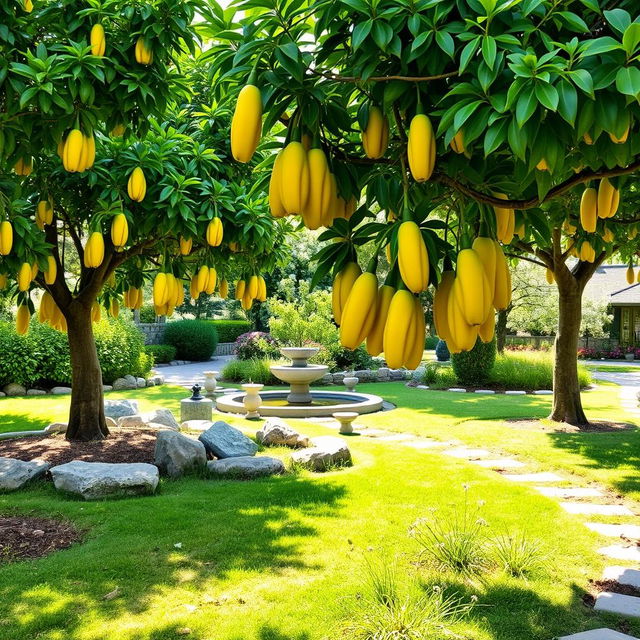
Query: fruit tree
{"points": [[453, 134], [112, 174]]}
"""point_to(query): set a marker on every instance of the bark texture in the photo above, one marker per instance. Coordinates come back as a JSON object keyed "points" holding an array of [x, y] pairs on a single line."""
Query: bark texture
{"points": [[501, 328]]}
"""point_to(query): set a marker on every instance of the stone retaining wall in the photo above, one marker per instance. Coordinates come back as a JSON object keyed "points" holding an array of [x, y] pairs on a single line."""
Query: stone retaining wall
{"points": [[383, 374], [152, 331]]}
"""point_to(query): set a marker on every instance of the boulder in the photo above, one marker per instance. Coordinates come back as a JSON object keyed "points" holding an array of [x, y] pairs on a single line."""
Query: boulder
{"points": [[327, 378], [97, 480], [141, 383], [224, 441], [57, 427], [162, 416], [36, 392], [177, 454], [110, 422], [14, 474], [364, 375], [158, 380], [339, 377], [383, 374], [246, 467], [131, 381], [396, 374], [132, 422], [61, 391], [14, 389], [325, 452], [418, 374], [120, 384], [151, 382], [195, 425], [107, 387], [275, 432], [118, 408]]}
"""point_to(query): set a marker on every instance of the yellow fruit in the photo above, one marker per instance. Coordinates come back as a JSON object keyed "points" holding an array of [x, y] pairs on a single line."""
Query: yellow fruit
{"points": [[47, 306], [587, 138], [52, 270], [3, 281], [44, 212], [414, 355], [193, 287], [631, 276], [569, 228], [294, 178], [247, 301], [589, 210], [160, 289], [88, 152], [212, 280], [252, 287], [502, 295], [375, 137], [398, 330], [119, 230], [223, 289], [137, 185], [358, 314], [96, 312], [413, 258], [27, 5], [587, 252], [118, 131], [22, 320], [202, 278], [608, 199], [473, 287], [607, 235], [246, 125], [97, 38], [23, 167], [6, 238], [143, 54], [505, 221], [34, 270], [622, 139], [24, 276], [94, 251], [441, 305], [114, 308], [375, 337], [262, 289], [186, 244], [275, 196], [550, 276], [72, 154], [240, 289], [486, 250], [215, 232], [457, 142], [342, 284], [320, 192], [463, 336], [542, 165], [487, 329], [421, 148]]}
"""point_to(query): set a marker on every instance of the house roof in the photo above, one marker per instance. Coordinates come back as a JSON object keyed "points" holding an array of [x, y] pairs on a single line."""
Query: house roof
{"points": [[610, 282]]}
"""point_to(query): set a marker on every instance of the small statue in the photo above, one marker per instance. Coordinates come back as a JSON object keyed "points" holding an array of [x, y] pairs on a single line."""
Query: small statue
{"points": [[196, 392]]}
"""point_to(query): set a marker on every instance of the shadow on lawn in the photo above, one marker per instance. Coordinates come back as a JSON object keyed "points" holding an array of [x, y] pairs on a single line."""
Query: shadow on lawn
{"points": [[192, 536]]}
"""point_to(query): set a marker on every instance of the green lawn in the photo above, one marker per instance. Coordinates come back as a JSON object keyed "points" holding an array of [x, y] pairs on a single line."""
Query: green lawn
{"points": [[613, 368], [282, 559]]}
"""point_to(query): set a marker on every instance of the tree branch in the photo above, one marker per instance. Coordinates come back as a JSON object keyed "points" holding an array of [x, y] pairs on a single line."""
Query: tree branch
{"points": [[355, 79], [531, 260]]}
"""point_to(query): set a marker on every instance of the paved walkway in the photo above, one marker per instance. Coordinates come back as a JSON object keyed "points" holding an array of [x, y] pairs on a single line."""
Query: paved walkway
{"points": [[629, 383], [186, 375]]}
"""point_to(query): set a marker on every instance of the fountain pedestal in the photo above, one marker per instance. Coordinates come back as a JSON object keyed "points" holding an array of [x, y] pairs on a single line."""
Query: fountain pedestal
{"points": [[300, 374]]}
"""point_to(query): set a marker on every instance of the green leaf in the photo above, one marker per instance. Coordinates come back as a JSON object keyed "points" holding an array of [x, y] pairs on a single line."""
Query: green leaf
{"points": [[445, 42], [468, 52], [526, 106], [489, 50], [547, 95], [574, 21], [583, 80], [631, 38], [495, 136], [628, 81], [619, 19], [360, 33], [568, 102], [600, 45], [517, 139], [382, 33], [465, 113]]}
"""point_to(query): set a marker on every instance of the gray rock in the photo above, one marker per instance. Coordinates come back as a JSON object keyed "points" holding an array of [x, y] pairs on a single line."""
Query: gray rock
{"points": [[275, 432], [132, 422], [2, 394], [195, 425], [158, 380], [246, 467], [15, 474], [14, 389], [325, 452], [224, 441], [97, 480], [36, 392], [110, 422], [141, 383], [418, 374], [338, 377], [177, 454], [383, 372], [61, 391], [120, 384], [131, 381], [364, 375], [151, 382], [119, 408], [327, 378], [107, 387], [57, 427], [162, 416], [396, 374]]}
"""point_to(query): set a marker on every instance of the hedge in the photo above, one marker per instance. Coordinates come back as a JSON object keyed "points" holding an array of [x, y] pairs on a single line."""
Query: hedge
{"points": [[230, 330], [193, 339], [161, 353], [474, 367], [42, 356]]}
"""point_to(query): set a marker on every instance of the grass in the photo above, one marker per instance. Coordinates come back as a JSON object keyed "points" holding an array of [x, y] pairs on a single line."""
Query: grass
{"points": [[612, 368], [254, 370], [282, 558]]}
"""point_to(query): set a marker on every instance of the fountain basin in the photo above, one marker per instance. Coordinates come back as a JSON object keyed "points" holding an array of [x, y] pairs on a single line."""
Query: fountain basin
{"points": [[323, 403]]}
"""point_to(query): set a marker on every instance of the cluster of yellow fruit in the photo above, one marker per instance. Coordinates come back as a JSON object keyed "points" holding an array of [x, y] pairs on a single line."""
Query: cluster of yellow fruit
{"points": [[77, 151], [215, 232], [49, 312], [133, 298], [602, 203], [204, 281], [250, 289], [465, 303], [23, 167], [44, 213], [631, 276], [168, 293]]}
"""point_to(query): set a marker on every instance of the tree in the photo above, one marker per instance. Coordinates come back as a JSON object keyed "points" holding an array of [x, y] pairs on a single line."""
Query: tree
{"points": [[160, 176], [529, 101]]}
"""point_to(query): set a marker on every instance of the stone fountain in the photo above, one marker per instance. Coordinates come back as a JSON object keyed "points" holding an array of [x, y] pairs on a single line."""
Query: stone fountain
{"points": [[301, 401]]}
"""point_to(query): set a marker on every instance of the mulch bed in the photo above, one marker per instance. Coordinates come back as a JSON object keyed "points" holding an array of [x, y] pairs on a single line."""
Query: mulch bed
{"points": [[122, 445], [26, 537], [614, 587], [561, 427]]}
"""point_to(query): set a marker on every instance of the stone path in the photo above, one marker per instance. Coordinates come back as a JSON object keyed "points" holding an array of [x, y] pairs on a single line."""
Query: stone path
{"points": [[578, 500], [186, 375], [629, 384]]}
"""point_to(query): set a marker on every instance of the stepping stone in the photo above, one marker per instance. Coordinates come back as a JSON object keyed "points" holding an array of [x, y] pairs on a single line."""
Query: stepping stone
{"points": [[324, 453], [623, 575], [618, 603], [543, 392], [570, 492], [422, 386], [631, 531], [224, 441], [457, 390], [515, 393], [621, 553], [467, 454], [543, 476], [246, 467], [486, 392], [598, 634], [499, 463], [584, 508]]}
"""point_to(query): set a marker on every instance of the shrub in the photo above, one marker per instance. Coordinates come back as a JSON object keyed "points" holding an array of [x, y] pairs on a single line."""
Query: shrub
{"points": [[161, 353], [193, 339], [120, 347], [147, 313], [473, 367], [249, 371], [431, 342], [229, 330], [346, 359], [256, 345], [442, 351], [439, 376]]}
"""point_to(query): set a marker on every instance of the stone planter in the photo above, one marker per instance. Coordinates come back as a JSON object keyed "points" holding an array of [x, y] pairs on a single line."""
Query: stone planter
{"points": [[252, 399], [350, 382], [210, 382]]}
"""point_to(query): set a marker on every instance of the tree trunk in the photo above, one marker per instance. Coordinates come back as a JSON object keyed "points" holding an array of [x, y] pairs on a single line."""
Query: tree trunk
{"points": [[86, 416], [567, 405], [501, 328]]}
